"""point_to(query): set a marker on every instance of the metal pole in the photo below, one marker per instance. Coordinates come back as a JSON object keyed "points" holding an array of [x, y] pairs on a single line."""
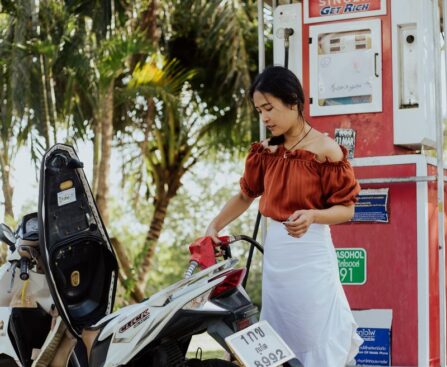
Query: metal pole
{"points": [[262, 135], [397, 179], [440, 162], [261, 61], [261, 48]]}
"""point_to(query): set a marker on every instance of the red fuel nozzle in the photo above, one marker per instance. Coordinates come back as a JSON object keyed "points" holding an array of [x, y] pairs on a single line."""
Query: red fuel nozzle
{"points": [[203, 250]]}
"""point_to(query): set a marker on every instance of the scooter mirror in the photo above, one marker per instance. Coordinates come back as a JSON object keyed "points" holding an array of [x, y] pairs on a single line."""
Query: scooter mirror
{"points": [[7, 235]]}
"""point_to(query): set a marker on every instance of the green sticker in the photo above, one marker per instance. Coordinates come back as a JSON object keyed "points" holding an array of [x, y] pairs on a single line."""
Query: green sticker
{"points": [[352, 265]]}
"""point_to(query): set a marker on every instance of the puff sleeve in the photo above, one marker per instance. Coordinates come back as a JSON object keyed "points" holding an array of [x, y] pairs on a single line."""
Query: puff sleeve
{"points": [[338, 182], [252, 182]]}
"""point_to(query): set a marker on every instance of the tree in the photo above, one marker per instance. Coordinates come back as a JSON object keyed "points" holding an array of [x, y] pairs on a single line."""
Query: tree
{"points": [[195, 204], [211, 111], [174, 92], [14, 74]]}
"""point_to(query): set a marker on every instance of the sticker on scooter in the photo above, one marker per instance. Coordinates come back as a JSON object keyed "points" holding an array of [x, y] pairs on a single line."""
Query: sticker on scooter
{"points": [[137, 320], [66, 197]]}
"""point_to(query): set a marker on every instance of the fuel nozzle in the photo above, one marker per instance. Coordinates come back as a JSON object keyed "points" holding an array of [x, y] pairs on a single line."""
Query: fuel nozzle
{"points": [[285, 33], [204, 252]]}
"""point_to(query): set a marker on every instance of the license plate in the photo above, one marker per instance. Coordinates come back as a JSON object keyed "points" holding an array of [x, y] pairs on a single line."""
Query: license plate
{"points": [[259, 346]]}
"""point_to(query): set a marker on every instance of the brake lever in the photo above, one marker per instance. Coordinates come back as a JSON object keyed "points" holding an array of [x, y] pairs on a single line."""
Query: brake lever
{"points": [[13, 274]]}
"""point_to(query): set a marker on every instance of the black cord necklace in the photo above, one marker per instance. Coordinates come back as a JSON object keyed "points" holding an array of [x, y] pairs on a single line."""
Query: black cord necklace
{"points": [[294, 145]]}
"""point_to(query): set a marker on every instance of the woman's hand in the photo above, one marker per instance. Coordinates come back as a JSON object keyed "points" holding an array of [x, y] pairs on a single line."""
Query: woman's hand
{"points": [[212, 232], [299, 222]]}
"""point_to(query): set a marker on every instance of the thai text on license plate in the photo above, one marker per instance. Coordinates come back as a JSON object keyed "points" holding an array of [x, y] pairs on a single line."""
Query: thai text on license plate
{"points": [[259, 346]]}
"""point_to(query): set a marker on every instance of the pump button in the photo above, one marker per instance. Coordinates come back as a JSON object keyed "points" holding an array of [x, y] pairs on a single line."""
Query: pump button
{"points": [[410, 38]]}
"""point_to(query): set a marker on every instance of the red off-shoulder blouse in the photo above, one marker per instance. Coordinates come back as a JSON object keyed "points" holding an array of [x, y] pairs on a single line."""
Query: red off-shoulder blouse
{"points": [[298, 181]]}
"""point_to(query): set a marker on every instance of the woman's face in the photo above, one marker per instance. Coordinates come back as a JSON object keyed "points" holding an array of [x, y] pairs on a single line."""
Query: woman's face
{"points": [[277, 117]]}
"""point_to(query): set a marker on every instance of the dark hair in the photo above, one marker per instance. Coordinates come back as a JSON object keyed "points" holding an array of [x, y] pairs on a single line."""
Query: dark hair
{"points": [[282, 84]]}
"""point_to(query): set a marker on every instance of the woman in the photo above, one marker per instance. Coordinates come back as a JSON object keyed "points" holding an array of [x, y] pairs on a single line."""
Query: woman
{"points": [[305, 183]]}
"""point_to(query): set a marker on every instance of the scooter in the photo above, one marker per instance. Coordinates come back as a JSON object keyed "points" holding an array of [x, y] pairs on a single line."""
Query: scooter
{"points": [[81, 271], [29, 325]]}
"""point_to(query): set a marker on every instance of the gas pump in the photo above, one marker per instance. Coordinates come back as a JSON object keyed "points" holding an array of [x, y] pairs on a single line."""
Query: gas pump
{"points": [[370, 71]]}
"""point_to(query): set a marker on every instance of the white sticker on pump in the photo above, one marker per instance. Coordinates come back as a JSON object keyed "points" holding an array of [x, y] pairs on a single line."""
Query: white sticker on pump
{"points": [[66, 196]]}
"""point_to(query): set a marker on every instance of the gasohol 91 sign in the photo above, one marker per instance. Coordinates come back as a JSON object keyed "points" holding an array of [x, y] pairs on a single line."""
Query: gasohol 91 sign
{"points": [[352, 265]]}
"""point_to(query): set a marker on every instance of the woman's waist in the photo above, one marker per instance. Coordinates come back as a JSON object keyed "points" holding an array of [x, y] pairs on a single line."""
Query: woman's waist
{"points": [[281, 212], [315, 232], [314, 249]]}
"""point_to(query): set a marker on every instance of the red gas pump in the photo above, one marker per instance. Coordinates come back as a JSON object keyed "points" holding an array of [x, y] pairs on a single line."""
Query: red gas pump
{"points": [[370, 68]]}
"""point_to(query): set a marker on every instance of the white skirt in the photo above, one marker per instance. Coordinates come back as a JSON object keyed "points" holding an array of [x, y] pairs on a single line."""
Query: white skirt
{"points": [[303, 299]]}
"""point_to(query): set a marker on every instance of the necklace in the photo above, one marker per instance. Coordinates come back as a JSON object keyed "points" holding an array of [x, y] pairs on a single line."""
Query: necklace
{"points": [[294, 145]]}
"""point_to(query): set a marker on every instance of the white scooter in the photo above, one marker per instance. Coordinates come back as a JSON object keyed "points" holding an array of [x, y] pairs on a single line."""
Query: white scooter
{"points": [[28, 319], [81, 272]]}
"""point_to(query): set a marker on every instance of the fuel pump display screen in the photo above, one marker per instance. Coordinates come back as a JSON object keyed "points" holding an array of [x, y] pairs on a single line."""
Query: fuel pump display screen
{"points": [[345, 66]]}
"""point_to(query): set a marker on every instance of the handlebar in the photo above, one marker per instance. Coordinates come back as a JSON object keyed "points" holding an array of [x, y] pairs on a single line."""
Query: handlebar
{"points": [[24, 268]]}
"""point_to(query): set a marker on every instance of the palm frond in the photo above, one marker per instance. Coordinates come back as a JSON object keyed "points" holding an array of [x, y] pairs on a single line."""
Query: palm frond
{"points": [[170, 76]]}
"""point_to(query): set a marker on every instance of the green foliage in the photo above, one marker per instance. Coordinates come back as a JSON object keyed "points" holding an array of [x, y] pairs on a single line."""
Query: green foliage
{"points": [[218, 39], [205, 190], [176, 99]]}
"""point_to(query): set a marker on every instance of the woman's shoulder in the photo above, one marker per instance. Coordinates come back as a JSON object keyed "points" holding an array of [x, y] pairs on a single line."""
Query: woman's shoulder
{"points": [[327, 149]]}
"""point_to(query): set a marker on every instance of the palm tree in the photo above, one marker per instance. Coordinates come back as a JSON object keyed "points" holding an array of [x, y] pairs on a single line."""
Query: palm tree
{"points": [[15, 66], [6, 123], [110, 61], [209, 111], [174, 75], [219, 39]]}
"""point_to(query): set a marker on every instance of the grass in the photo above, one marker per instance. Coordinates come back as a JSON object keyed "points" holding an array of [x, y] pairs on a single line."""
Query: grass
{"points": [[208, 354]]}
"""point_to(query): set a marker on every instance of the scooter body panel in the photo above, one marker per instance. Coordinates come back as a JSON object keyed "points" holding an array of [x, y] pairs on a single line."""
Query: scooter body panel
{"points": [[134, 327]]}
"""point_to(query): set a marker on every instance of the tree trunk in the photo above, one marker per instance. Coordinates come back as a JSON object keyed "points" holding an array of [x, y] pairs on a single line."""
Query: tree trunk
{"points": [[126, 269], [149, 22], [96, 153], [150, 243], [45, 116], [172, 182], [106, 121], [7, 189], [52, 103]]}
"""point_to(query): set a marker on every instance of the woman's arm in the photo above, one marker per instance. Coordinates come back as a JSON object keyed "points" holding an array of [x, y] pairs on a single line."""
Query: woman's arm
{"points": [[238, 204], [299, 222], [334, 215]]}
